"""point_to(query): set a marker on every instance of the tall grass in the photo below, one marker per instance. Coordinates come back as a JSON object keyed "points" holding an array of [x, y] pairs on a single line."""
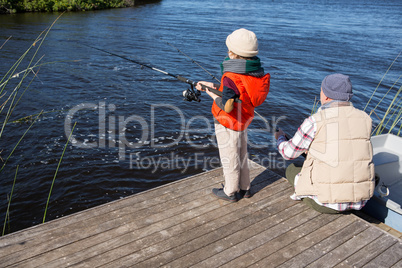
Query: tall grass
{"points": [[11, 101], [19, 141], [10, 96], [55, 174], [392, 117], [316, 105], [7, 217]]}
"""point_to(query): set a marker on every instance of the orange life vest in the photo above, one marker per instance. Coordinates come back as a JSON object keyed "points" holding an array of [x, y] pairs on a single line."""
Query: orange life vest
{"points": [[253, 91]]}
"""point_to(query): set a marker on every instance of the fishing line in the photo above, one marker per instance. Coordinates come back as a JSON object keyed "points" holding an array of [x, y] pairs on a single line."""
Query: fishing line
{"points": [[193, 61], [188, 94]]}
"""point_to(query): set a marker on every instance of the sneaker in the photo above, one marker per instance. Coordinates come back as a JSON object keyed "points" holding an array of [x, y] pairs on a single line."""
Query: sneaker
{"points": [[245, 193], [218, 192]]}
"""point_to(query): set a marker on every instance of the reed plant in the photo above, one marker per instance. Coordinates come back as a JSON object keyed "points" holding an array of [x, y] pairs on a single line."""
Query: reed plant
{"points": [[10, 100], [391, 120], [7, 217], [13, 86], [55, 174], [316, 105]]}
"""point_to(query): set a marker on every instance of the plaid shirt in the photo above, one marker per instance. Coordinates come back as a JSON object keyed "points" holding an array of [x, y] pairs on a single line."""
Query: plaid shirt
{"points": [[300, 143]]}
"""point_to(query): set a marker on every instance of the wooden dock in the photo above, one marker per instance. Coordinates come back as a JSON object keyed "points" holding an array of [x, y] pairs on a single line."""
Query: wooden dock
{"points": [[182, 224]]}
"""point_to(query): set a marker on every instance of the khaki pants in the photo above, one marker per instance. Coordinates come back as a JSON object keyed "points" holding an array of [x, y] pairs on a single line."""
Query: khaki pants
{"points": [[234, 158]]}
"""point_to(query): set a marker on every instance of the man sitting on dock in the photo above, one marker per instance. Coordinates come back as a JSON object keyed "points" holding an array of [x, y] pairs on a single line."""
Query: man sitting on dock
{"points": [[338, 173]]}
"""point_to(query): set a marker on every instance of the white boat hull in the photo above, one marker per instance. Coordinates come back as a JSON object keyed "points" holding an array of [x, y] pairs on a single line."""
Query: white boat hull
{"points": [[386, 203]]}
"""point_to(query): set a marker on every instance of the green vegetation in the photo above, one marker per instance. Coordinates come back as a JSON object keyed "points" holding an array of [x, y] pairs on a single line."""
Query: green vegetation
{"points": [[10, 95], [14, 6], [8, 207], [55, 174], [316, 105], [393, 115]]}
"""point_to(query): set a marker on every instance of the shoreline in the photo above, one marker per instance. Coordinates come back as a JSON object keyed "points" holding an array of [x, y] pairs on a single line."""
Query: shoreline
{"points": [[46, 6]]}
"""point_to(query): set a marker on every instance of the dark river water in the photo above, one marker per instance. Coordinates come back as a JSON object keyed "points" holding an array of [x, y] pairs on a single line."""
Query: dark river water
{"points": [[133, 130]]}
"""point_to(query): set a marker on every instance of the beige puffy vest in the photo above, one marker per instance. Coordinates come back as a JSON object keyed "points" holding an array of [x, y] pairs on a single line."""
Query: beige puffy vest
{"points": [[339, 167]]}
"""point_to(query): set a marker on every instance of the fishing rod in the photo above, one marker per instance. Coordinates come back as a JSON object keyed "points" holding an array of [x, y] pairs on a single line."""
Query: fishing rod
{"points": [[189, 94]]}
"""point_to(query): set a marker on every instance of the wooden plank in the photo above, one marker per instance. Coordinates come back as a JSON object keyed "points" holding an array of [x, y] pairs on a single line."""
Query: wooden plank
{"points": [[99, 243], [118, 225], [310, 255], [397, 265], [120, 235], [111, 218], [369, 252], [145, 199], [137, 251], [195, 250], [388, 258], [304, 243], [254, 252], [112, 210], [378, 224], [182, 224], [347, 249], [236, 248]]}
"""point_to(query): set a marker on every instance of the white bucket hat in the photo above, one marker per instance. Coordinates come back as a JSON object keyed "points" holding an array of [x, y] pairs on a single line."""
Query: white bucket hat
{"points": [[243, 43]]}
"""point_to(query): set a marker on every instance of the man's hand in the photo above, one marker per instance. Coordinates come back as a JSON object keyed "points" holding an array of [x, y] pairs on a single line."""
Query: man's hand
{"points": [[279, 133]]}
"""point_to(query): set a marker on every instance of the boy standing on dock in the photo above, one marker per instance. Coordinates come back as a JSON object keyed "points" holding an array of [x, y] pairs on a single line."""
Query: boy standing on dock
{"points": [[338, 173], [244, 86]]}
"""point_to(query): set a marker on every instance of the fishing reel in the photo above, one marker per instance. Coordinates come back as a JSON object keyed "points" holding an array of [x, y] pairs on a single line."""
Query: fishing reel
{"points": [[191, 95]]}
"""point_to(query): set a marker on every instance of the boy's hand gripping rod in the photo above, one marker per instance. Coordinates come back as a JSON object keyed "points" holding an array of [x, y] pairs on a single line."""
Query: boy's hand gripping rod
{"points": [[178, 77]]}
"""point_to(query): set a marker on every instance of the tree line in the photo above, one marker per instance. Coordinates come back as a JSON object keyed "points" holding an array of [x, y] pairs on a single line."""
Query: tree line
{"points": [[16, 6]]}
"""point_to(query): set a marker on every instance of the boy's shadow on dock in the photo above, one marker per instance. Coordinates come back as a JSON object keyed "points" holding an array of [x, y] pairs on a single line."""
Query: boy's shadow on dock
{"points": [[262, 180]]}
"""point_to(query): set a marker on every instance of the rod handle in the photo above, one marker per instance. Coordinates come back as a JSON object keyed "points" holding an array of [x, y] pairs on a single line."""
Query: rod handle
{"points": [[185, 80], [217, 92]]}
